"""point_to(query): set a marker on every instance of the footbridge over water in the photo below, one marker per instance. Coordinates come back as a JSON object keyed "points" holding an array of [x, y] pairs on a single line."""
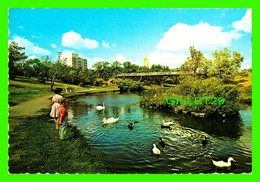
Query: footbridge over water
{"points": [[152, 74]]}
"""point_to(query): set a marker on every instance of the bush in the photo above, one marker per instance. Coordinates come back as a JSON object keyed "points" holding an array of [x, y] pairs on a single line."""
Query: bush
{"points": [[129, 85], [191, 88], [99, 82]]}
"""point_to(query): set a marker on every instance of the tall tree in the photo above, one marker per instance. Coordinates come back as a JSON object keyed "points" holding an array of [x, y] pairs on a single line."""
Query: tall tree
{"points": [[226, 66], [193, 64], [15, 54]]}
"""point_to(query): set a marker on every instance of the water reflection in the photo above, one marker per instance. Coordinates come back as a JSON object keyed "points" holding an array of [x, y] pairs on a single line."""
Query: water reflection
{"points": [[217, 126], [130, 151]]}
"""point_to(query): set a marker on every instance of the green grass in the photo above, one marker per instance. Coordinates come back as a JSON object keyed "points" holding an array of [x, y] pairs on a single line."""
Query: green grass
{"points": [[22, 89], [19, 93], [35, 144]]}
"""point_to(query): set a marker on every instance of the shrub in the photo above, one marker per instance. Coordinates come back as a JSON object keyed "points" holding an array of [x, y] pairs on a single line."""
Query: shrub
{"points": [[129, 85]]}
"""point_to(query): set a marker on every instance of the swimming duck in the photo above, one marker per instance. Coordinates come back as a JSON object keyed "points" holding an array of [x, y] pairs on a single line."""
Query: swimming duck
{"points": [[110, 120], [100, 108], [161, 142], [156, 150], [204, 142], [166, 124], [131, 125], [222, 163]]}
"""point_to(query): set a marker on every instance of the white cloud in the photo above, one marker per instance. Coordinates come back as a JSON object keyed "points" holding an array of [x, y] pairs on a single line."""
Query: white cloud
{"points": [[246, 66], [166, 58], [105, 45], [32, 57], [30, 48], [114, 45], [202, 36], [53, 46], [250, 50], [119, 58], [245, 24], [97, 59], [247, 61], [74, 40]]}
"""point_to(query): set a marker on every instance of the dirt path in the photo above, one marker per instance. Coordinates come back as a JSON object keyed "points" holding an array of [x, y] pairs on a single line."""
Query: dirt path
{"points": [[32, 107]]}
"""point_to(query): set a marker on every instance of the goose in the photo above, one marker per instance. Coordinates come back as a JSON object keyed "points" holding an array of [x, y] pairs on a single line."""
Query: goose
{"points": [[161, 142], [166, 124], [99, 108], [222, 163], [131, 125], [156, 150], [204, 142], [109, 120]]}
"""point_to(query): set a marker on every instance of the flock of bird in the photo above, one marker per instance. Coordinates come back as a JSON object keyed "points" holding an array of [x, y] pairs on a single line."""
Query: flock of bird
{"points": [[155, 150]]}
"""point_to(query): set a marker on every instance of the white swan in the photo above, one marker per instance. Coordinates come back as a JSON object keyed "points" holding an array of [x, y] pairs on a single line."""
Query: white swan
{"points": [[166, 124], [99, 108], [222, 163], [156, 150], [109, 120]]}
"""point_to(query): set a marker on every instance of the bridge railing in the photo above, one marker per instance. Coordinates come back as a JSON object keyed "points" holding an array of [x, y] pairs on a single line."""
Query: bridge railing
{"points": [[151, 74]]}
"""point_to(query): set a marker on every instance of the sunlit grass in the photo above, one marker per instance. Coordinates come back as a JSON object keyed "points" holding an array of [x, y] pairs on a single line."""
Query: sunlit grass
{"points": [[35, 147]]}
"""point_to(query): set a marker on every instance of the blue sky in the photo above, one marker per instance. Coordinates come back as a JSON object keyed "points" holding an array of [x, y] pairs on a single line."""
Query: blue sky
{"points": [[164, 35]]}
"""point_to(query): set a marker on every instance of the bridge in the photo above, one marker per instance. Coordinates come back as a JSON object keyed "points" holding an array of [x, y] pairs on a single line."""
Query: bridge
{"points": [[151, 74]]}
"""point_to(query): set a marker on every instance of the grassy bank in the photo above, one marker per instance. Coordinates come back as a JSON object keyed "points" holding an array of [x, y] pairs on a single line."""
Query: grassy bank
{"points": [[22, 89], [34, 144], [35, 147]]}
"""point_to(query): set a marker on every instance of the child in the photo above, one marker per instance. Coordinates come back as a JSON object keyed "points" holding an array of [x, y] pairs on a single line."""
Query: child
{"points": [[56, 105], [62, 118]]}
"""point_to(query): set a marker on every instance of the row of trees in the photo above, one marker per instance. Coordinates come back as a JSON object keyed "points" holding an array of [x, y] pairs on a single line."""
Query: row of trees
{"points": [[224, 64], [44, 69]]}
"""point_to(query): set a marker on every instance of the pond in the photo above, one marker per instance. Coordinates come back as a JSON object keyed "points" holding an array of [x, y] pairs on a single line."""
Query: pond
{"points": [[128, 151]]}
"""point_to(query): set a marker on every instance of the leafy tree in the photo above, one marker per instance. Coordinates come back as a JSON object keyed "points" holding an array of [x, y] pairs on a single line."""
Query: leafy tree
{"points": [[128, 67], [102, 70], [159, 68], [116, 67], [193, 64], [15, 54], [226, 66]]}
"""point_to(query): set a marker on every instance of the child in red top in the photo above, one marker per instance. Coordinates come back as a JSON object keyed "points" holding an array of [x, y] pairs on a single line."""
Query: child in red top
{"points": [[62, 112], [62, 118]]}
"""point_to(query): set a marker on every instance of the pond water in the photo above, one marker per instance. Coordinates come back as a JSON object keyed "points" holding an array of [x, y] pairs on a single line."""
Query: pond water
{"points": [[130, 151]]}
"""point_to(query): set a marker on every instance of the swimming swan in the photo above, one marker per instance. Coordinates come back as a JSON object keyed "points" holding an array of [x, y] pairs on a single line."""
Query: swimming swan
{"points": [[109, 120], [156, 150], [222, 163], [99, 108]]}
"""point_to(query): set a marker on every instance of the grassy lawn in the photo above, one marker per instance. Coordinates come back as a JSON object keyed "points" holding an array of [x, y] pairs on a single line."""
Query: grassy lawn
{"points": [[35, 147], [245, 87], [22, 89]]}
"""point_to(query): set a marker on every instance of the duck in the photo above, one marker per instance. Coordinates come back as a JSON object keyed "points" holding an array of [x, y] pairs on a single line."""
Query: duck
{"points": [[131, 125], [100, 108], [222, 163], [204, 142], [109, 120], [156, 150], [161, 142], [166, 124]]}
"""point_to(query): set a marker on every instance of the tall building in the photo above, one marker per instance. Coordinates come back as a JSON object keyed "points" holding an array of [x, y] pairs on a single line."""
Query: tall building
{"points": [[146, 64], [73, 60]]}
